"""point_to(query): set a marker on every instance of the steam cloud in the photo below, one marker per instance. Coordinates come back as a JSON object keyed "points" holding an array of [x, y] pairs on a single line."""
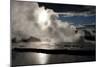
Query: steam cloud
{"points": [[28, 19]]}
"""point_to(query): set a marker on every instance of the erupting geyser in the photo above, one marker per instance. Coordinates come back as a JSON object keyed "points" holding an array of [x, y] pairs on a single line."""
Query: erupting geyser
{"points": [[28, 19], [42, 17]]}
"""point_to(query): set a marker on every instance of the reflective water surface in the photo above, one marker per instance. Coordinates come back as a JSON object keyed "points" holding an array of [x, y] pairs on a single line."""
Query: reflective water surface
{"points": [[40, 57]]}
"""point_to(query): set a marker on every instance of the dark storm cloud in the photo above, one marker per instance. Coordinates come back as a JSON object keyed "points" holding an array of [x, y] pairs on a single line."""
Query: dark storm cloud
{"points": [[89, 9]]}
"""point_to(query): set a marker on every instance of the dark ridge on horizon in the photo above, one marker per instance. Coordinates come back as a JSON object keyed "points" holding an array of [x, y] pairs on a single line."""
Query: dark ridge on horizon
{"points": [[57, 51]]}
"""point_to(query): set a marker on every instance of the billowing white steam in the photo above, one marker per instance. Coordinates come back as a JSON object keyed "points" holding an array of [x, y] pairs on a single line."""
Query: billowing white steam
{"points": [[28, 19]]}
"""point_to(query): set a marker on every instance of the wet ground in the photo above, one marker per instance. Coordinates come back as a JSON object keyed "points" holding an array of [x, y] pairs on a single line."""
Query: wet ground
{"points": [[28, 55]]}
